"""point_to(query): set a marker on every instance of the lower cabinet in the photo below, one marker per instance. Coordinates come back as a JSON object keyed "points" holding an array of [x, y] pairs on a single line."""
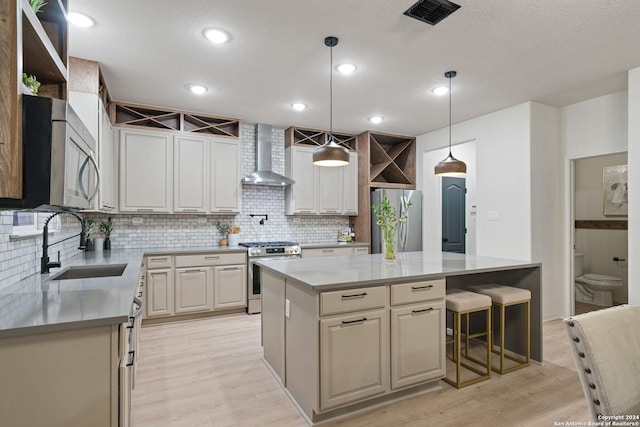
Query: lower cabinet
{"points": [[193, 290], [417, 343], [226, 291], [353, 359], [195, 283]]}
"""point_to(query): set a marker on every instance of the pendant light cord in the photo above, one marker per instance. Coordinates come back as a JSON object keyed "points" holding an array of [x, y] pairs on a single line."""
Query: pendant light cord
{"points": [[450, 116], [331, 96]]}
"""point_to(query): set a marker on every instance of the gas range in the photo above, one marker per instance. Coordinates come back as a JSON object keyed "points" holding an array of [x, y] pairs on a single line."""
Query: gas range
{"points": [[276, 248]]}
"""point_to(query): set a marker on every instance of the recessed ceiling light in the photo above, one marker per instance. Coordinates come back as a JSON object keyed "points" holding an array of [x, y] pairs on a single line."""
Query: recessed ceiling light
{"points": [[346, 68], [375, 119], [298, 106], [197, 89], [440, 90], [80, 20], [216, 35]]}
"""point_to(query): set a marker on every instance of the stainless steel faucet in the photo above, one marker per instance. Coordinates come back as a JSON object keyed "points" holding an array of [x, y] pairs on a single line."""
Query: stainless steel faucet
{"points": [[45, 264]]}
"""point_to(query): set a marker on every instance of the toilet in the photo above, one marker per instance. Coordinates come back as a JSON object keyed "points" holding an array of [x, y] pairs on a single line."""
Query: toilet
{"points": [[593, 288]]}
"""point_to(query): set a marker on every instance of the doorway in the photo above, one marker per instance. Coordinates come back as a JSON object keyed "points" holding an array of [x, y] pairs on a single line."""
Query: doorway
{"points": [[453, 215], [600, 238]]}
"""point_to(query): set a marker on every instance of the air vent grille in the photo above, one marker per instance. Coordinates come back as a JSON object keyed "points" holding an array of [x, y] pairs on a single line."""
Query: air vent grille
{"points": [[431, 11]]}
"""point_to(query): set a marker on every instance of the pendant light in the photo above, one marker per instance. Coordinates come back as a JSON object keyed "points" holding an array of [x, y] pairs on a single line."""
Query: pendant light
{"points": [[450, 166], [330, 153]]}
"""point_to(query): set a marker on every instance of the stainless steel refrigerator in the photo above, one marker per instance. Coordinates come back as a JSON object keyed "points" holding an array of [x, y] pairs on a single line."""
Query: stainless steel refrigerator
{"points": [[409, 234]]}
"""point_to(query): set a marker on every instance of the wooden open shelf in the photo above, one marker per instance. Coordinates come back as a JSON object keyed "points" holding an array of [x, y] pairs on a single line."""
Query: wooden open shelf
{"points": [[165, 119], [316, 137]]}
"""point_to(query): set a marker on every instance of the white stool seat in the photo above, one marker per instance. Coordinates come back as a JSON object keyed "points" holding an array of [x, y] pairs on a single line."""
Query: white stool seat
{"points": [[503, 294], [460, 300]]}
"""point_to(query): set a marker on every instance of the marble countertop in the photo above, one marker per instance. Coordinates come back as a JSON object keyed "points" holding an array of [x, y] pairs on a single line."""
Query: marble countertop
{"points": [[343, 272], [38, 304]]}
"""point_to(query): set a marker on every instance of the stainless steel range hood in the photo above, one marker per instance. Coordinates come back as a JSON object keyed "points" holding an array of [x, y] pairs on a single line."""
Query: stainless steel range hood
{"points": [[264, 175]]}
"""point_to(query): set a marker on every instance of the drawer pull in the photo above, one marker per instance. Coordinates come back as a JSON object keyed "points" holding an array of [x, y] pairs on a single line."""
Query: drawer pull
{"points": [[362, 295], [327, 250], [193, 271], [190, 210], [144, 210], [230, 268], [157, 259], [212, 257], [351, 322], [421, 288], [424, 310]]}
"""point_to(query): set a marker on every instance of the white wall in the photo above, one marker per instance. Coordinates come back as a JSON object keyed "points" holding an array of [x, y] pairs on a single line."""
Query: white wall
{"points": [[590, 128], [504, 136], [634, 186], [546, 205]]}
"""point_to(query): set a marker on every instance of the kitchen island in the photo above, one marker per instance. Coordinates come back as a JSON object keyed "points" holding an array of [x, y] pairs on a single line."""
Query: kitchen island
{"points": [[345, 334]]}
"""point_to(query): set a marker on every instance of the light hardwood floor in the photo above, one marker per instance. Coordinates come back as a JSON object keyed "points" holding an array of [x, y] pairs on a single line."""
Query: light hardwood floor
{"points": [[209, 373]]}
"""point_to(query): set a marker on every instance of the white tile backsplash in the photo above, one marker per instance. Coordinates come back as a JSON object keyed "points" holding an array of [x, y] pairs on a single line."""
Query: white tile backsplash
{"points": [[21, 258]]}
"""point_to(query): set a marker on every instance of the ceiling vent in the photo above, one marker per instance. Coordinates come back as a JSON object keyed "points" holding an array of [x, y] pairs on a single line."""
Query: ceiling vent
{"points": [[431, 11]]}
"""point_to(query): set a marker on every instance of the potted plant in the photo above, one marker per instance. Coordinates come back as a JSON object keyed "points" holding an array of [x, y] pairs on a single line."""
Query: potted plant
{"points": [[388, 221], [223, 229], [88, 227], [106, 227], [234, 235], [31, 83], [36, 5]]}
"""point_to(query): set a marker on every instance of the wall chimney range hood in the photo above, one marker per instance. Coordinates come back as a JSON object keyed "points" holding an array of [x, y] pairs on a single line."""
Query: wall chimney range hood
{"points": [[264, 175]]}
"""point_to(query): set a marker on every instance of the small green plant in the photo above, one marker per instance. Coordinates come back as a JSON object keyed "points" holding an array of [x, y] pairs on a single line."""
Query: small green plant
{"points": [[31, 83], [106, 227], [36, 5], [388, 221], [223, 228], [88, 227]]}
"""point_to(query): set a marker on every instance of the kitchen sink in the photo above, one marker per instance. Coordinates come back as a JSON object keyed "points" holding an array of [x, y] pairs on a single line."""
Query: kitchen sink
{"points": [[90, 271]]}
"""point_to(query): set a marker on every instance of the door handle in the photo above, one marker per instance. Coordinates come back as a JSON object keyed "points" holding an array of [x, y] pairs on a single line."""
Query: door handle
{"points": [[444, 239]]}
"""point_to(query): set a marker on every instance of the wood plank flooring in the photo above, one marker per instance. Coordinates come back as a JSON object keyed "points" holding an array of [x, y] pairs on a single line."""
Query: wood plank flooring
{"points": [[209, 373]]}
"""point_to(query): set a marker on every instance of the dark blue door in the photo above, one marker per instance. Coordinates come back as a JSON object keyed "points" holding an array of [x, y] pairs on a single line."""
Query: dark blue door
{"points": [[453, 215]]}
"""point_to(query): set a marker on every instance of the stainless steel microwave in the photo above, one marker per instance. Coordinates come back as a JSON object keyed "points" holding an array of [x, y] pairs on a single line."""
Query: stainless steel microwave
{"points": [[60, 171]]}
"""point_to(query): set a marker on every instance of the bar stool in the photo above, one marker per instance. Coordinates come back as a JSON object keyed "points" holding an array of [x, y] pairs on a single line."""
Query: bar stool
{"points": [[503, 297], [464, 303]]}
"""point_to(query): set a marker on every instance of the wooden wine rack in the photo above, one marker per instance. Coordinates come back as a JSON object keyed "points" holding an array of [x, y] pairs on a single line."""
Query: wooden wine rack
{"points": [[140, 116], [316, 137]]}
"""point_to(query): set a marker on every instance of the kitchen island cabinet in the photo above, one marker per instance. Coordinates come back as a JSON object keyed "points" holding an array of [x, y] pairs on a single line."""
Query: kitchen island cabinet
{"points": [[362, 332]]}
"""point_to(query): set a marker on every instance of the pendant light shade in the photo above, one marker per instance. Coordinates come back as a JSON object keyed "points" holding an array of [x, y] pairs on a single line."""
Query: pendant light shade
{"points": [[330, 153], [450, 166]]}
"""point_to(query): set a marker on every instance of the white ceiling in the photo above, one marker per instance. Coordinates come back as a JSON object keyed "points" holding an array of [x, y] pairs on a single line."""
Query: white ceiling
{"points": [[506, 52]]}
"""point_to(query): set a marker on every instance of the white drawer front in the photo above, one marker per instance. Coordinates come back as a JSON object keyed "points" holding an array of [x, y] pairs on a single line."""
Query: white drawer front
{"points": [[200, 260], [353, 300], [406, 293], [159, 261]]}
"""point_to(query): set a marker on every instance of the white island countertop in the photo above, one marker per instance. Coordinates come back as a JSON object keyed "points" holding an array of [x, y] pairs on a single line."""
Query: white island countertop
{"points": [[368, 270]]}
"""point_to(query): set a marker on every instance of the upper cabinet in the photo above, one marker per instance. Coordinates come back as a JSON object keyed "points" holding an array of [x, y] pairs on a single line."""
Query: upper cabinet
{"points": [[319, 190], [177, 172], [35, 44], [388, 161]]}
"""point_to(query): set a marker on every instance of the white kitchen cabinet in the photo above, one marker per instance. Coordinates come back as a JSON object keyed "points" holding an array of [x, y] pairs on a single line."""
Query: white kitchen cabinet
{"points": [[229, 286], [417, 343], [73, 379], [191, 174], [108, 168], [301, 196], [159, 292], [320, 190], [192, 290], [350, 187], [354, 357], [226, 171], [146, 171]]}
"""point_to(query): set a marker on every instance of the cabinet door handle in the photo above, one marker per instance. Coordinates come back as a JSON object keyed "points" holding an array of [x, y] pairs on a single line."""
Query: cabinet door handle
{"points": [[157, 259], [132, 356], [327, 211], [327, 251], [212, 257], [225, 210], [352, 322], [424, 310], [144, 210], [362, 295], [421, 288], [197, 270], [230, 268], [189, 210]]}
